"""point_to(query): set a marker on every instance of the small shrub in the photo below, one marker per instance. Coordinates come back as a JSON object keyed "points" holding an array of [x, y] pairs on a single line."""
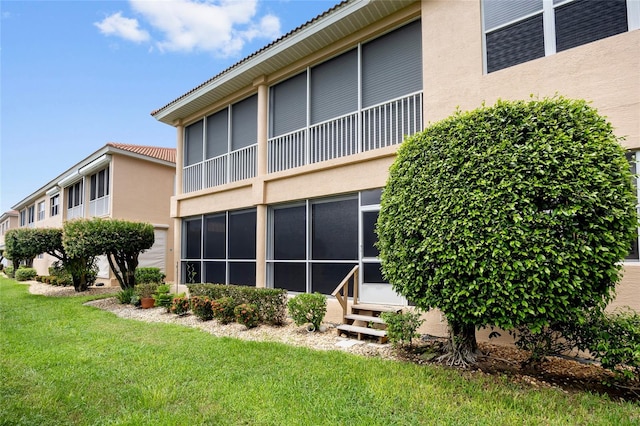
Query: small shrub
{"points": [[247, 314], [163, 296], [146, 275], [308, 308], [125, 296], [9, 271], [179, 305], [202, 308], [402, 326], [53, 280], [223, 309], [25, 274], [145, 290], [556, 339]]}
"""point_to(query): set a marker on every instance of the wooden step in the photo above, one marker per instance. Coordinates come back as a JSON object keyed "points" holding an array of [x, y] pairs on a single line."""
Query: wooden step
{"points": [[376, 308], [360, 331], [365, 318]]}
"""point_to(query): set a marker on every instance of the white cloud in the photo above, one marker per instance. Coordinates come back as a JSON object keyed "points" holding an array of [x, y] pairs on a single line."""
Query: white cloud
{"points": [[219, 26], [127, 28]]}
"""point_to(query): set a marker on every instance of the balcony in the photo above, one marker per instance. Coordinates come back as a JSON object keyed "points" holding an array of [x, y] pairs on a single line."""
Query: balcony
{"points": [[237, 165]]}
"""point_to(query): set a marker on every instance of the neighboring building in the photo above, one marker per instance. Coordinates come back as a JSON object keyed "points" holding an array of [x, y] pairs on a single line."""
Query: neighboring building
{"points": [[118, 181], [281, 157], [8, 220]]}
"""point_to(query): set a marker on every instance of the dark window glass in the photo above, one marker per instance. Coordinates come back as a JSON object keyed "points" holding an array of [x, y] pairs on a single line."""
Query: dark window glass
{"points": [[215, 272], [289, 233], [242, 235], [193, 143], [192, 238], [335, 230], [218, 134], [369, 236], [93, 187], [55, 202], [370, 197], [372, 273], [191, 272], [290, 276], [242, 273], [515, 44], [325, 277], [215, 241], [581, 22]]}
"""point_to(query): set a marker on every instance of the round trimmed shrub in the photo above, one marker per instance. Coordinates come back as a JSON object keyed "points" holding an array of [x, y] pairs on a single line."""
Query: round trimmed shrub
{"points": [[510, 215]]}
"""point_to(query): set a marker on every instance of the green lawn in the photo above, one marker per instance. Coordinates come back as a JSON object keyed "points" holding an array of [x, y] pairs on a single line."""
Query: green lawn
{"points": [[63, 363]]}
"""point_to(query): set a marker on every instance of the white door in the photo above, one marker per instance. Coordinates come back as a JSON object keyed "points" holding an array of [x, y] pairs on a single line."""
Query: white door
{"points": [[373, 287]]}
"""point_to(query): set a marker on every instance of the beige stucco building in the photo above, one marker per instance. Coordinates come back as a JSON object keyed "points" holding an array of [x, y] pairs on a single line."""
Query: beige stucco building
{"points": [[119, 181], [8, 220], [281, 158]]}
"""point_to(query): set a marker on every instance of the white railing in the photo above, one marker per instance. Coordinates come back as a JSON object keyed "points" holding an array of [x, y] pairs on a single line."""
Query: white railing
{"points": [[74, 212], [375, 127], [215, 171], [192, 178], [243, 163], [287, 151], [237, 165], [99, 206], [334, 138]]}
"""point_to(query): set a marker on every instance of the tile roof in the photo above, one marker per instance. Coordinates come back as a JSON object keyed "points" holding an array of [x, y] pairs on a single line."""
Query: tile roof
{"points": [[160, 153]]}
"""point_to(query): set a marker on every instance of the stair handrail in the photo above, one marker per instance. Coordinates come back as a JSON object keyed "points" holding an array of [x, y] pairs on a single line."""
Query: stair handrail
{"points": [[341, 293]]}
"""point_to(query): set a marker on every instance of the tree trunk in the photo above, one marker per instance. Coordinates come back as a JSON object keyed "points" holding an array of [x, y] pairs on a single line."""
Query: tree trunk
{"points": [[462, 346]]}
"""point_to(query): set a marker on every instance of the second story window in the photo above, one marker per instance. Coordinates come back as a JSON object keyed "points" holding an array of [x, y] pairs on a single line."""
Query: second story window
{"points": [[99, 193], [23, 217], [74, 194], [55, 203], [31, 215], [521, 31], [41, 210], [634, 163]]}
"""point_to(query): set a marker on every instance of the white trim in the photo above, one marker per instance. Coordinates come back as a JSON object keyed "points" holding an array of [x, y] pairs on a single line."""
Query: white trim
{"points": [[53, 191], [95, 165], [633, 14], [549, 25], [71, 178]]}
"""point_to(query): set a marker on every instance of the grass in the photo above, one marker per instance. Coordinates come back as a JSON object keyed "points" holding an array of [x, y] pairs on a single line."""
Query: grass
{"points": [[64, 363]]}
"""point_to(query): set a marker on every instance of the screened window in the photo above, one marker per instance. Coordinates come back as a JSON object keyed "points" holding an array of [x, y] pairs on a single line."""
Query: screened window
{"points": [[522, 30], [288, 109], [41, 210], [221, 247], [634, 161], [218, 134], [23, 217], [74, 195], [335, 230], [193, 143], [334, 87], [244, 120], [55, 204], [31, 214], [99, 184]]}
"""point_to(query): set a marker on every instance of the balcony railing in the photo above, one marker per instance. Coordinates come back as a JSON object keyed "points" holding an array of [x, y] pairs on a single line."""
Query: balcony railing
{"points": [[74, 212], [375, 127], [372, 128], [99, 206], [237, 165]]}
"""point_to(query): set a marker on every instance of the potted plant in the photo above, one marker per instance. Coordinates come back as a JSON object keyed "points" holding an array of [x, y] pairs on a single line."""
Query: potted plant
{"points": [[145, 292]]}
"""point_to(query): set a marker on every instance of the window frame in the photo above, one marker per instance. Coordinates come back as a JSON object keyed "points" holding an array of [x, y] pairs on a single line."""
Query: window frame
{"points": [[41, 210], [54, 205]]}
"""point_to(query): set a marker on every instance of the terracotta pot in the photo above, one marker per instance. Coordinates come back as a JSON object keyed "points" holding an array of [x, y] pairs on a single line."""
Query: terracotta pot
{"points": [[147, 302]]}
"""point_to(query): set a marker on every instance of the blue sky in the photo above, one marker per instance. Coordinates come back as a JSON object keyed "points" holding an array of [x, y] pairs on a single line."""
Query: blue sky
{"points": [[75, 75]]}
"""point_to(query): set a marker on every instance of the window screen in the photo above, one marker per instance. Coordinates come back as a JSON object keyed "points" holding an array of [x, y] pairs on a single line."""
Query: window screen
{"points": [[193, 144], [244, 118], [290, 276], [581, 22], [369, 236], [515, 44], [288, 105], [334, 87], [192, 238], [242, 235], [325, 277], [392, 65], [218, 134], [335, 230], [242, 273], [215, 241], [289, 233]]}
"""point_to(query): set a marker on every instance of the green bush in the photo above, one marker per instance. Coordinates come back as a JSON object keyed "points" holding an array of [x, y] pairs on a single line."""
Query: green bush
{"points": [[510, 215], [308, 308], [223, 309], [180, 305], [271, 303], [247, 314], [9, 271], [402, 326], [145, 290], [163, 296], [25, 274], [201, 307], [146, 275], [125, 296]]}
